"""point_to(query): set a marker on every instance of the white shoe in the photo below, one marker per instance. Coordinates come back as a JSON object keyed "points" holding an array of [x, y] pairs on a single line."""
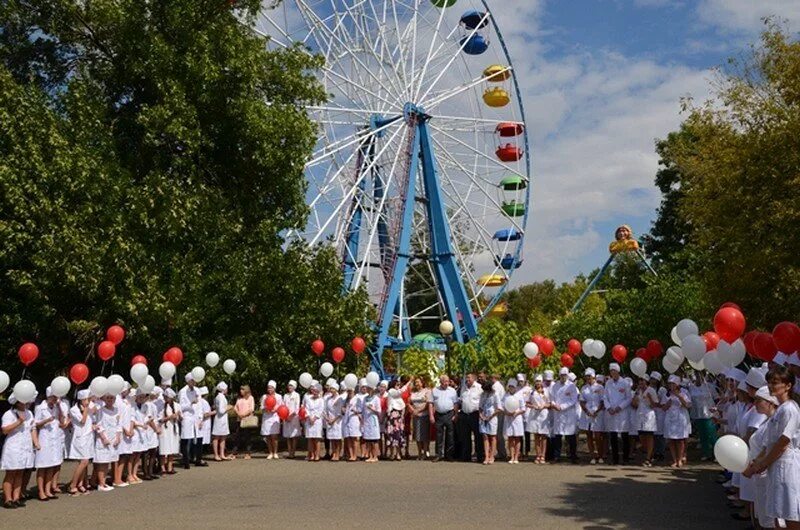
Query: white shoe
{"points": [[103, 487], [592, 461], [121, 485], [727, 484], [601, 461], [269, 457], [276, 457]]}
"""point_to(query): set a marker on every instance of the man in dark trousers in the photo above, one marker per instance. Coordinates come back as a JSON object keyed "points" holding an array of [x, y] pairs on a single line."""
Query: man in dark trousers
{"points": [[468, 417]]}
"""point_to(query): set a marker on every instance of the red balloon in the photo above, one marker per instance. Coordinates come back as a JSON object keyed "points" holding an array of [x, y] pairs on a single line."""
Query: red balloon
{"points": [[711, 339], [317, 347], [139, 359], [574, 347], [538, 340], [729, 323], [358, 345], [654, 349], [547, 347], [28, 353], [115, 334], [619, 353], [749, 339], [731, 304], [78, 373], [301, 413], [765, 346], [566, 360], [338, 355], [173, 355], [787, 337], [642, 354], [106, 350], [269, 403], [283, 412], [406, 395], [535, 362]]}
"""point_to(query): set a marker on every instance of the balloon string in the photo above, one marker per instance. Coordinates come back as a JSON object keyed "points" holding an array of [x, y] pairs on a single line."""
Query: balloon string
{"points": [[103, 368], [23, 371]]}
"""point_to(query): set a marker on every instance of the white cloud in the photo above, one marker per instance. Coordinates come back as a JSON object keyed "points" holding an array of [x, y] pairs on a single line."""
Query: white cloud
{"points": [[746, 15]]}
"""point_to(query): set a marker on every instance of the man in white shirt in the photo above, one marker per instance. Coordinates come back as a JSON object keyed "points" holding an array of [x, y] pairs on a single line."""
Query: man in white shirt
{"points": [[564, 402], [467, 425], [616, 400], [549, 389], [188, 398], [445, 409]]}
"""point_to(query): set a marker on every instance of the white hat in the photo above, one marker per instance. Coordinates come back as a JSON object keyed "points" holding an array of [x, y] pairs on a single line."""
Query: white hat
{"points": [[645, 377], [763, 393], [169, 393], [331, 383], [384, 383], [126, 386], [342, 387], [613, 367], [520, 377], [203, 390], [755, 378], [674, 379], [132, 393], [572, 377], [538, 378], [765, 366], [48, 391], [166, 382], [735, 374], [12, 399], [157, 391], [189, 377], [742, 386], [362, 382], [271, 384], [82, 394], [589, 372], [794, 359], [548, 375], [655, 375], [780, 358], [564, 371], [601, 378], [222, 386], [512, 382], [292, 382]]}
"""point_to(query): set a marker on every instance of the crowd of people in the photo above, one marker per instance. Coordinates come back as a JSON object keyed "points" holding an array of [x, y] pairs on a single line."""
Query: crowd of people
{"points": [[134, 436]]}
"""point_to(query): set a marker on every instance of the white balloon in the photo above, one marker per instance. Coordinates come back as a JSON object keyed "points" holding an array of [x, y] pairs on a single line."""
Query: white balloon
{"points": [[4, 381], [739, 352], [166, 371], [638, 366], [725, 353], [229, 366], [587, 347], [138, 372], [60, 386], [511, 404], [212, 359], [712, 363], [668, 366], [373, 379], [99, 386], [694, 347], [198, 373], [530, 350], [394, 393], [147, 385], [115, 384], [305, 379], [685, 328], [674, 355], [326, 369], [674, 336], [731, 453], [351, 380], [25, 391], [699, 365], [599, 349]]}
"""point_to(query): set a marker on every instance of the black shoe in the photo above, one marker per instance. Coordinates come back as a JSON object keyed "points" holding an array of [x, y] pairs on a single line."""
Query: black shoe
{"points": [[10, 505], [739, 517], [185, 466], [20, 503], [435, 459], [201, 464]]}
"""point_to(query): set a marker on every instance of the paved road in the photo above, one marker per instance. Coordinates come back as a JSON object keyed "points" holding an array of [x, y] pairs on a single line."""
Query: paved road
{"points": [[271, 493]]}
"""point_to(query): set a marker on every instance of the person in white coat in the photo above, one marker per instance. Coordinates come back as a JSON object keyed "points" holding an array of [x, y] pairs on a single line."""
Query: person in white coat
{"points": [[270, 422], [334, 413], [108, 435], [513, 409], [564, 408], [206, 415], [539, 418], [81, 445], [645, 402], [169, 439], [50, 452], [765, 404], [591, 421], [371, 429], [221, 428], [21, 441], [488, 411], [677, 425], [351, 424], [315, 410], [291, 426], [190, 425], [616, 400], [64, 433]]}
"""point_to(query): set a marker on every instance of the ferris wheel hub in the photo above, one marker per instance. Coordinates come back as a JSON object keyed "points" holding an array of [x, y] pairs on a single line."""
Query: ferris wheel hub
{"points": [[412, 110]]}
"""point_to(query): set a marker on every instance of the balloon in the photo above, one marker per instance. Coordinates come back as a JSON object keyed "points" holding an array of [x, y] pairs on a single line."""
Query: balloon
{"points": [[317, 347], [686, 327], [212, 359], [599, 348], [115, 334], [358, 345], [731, 304], [79, 372], [765, 347], [530, 350], [731, 453], [337, 355], [547, 347], [573, 347], [712, 363], [712, 340], [694, 347], [674, 355], [641, 353], [283, 412], [198, 373], [538, 339], [229, 366], [4, 381], [699, 366], [139, 359], [28, 353], [535, 362], [302, 412], [115, 384], [674, 336], [326, 369], [269, 403], [147, 385], [669, 366], [729, 323], [60, 386], [726, 354], [351, 380], [139, 372], [305, 379], [739, 352], [173, 355], [638, 366], [446, 327], [106, 350], [787, 337], [587, 347], [373, 379], [749, 342], [99, 386], [512, 403], [567, 360], [619, 353], [166, 371], [654, 349], [25, 391]]}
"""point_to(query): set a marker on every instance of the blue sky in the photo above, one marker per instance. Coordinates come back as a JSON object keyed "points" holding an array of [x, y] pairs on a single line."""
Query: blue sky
{"points": [[602, 80]]}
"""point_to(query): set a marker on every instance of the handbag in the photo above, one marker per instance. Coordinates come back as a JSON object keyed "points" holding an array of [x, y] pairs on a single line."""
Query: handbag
{"points": [[248, 422]]}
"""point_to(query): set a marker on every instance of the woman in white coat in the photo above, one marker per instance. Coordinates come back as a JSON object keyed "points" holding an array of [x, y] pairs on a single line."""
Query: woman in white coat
{"points": [[81, 445], [106, 441], [488, 410], [645, 402], [221, 428], [766, 404], [539, 420], [334, 414], [513, 426], [50, 452], [270, 421], [291, 426], [351, 424], [315, 410], [169, 440], [125, 449], [371, 427], [19, 427], [677, 425], [591, 421]]}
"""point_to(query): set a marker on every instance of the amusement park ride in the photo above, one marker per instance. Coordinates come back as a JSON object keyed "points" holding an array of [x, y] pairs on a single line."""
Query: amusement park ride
{"points": [[421, 174]]}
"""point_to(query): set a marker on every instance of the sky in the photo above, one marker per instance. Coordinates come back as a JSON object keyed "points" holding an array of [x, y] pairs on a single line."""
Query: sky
{"points": [[601, 80]]}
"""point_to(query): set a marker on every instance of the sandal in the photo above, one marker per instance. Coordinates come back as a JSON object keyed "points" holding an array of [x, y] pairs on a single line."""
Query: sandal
{"points": [[10, 505]]}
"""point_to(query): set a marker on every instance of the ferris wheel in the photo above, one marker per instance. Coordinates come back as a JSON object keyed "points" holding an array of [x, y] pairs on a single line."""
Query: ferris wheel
{"points": [[420, 177]]}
